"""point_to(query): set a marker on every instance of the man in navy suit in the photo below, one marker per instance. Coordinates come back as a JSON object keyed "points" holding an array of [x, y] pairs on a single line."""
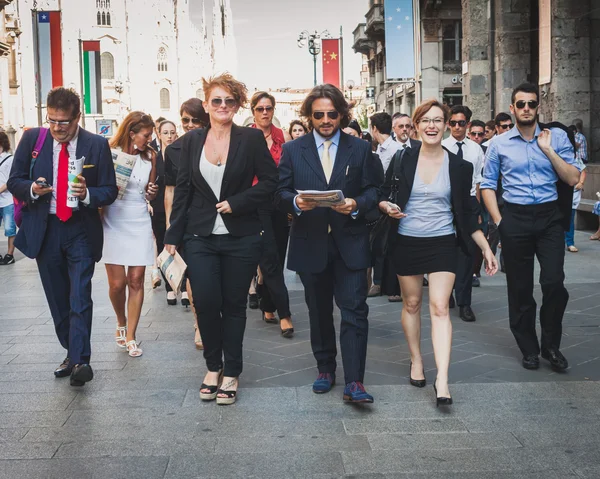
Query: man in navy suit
{"points": [[329, 247], [66, 242]]}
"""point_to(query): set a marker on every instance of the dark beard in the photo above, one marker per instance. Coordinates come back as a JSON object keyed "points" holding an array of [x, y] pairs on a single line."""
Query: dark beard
{"points": [[526, 122]]}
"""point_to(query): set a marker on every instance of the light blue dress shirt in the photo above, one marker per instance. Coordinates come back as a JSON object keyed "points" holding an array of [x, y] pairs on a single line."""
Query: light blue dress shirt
{"points": [[528, 177], [333, 148]]}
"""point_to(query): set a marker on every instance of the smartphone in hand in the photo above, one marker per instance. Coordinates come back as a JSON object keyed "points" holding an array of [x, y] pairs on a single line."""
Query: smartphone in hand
{"points": [[43, 184]]}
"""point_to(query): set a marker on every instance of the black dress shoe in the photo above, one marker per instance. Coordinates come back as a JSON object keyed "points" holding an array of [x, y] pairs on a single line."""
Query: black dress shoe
{"points": [[82, 373], [531, 361], [64, 369], [467, 314], [451, 303], [557, 361]]}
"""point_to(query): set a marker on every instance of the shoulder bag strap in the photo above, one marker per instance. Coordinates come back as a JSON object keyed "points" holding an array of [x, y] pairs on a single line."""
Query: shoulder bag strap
{"points": [[5, 159], [39, 144]]}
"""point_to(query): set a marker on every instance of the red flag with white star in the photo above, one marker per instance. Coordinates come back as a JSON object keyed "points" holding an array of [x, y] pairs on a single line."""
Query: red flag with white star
{"points": [[330, 49]]}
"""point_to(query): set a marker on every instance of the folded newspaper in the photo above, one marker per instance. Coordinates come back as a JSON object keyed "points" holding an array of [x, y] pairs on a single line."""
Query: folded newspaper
{"points": [[173, 267], [323, 198], [123, 163]]}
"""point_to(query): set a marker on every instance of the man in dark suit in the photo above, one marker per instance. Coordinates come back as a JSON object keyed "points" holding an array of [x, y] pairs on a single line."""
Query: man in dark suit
{"points": [[329, 247], [64, 241]]}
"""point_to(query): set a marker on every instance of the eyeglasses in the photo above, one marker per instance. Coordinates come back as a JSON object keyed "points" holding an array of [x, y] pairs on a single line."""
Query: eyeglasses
{"points": [[533, 104], [436, 121], [59, 123], [261, 109], [332, 115], [506, 127], [477, 133], [404, 127], [229, 102], [195, 121], [461, 123]]}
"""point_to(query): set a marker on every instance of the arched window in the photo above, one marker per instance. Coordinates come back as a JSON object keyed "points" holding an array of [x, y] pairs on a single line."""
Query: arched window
{"points": [[108, 18], [200, 93], [107, 66], [162, 59], [99, 18], [103, 13], [165, 99], [103, 18]]}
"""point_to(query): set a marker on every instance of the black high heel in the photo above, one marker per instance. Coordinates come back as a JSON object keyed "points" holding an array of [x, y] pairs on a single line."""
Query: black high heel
{"points": [[419, 383], [211, 395], [443, 401], [272, 320]]}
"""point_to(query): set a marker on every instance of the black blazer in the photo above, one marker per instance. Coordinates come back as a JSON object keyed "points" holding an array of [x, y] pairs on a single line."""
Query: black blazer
{"points": [[356, 173], [464, 207], [194, 205], [99, 177]]}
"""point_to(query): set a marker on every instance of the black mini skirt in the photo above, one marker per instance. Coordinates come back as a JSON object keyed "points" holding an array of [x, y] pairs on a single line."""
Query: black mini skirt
{"points": [[414, 256]]}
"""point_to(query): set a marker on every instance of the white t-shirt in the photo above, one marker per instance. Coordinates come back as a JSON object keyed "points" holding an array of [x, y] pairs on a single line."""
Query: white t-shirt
{"points": [[5, 198]]}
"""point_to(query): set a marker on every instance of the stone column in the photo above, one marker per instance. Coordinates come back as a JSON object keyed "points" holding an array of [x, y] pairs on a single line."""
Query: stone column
{"points": [[475, 52], [430, 58], [593, 128], [513, 48]]}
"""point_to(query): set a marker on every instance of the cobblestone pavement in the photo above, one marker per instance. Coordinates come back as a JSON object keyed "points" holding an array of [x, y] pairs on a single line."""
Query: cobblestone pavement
{"points": [[143, 418]]}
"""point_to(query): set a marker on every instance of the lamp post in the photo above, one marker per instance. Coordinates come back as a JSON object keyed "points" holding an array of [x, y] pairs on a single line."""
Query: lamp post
{"points": [[313, 40], [350, 86]]}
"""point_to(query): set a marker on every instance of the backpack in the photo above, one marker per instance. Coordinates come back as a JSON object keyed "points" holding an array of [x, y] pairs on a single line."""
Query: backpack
{"points": [[19, 205]]}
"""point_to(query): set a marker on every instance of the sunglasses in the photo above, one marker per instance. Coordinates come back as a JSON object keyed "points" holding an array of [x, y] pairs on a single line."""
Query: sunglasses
{"points": [[59, 123], [332, 115], [533, 104], [461, 123], [195, 121], [506, 127], [262, 109], [477, 133], [229, 102]]}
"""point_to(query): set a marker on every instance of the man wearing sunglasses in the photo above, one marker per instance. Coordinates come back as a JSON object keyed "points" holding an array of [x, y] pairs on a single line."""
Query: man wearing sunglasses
{"points": [[65, 242], [538, 172], [465, 149], [329, 247], [477, 133]]}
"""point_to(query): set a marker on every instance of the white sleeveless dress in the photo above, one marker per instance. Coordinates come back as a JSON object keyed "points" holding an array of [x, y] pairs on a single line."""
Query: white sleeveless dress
{"points": [[128, 239]]}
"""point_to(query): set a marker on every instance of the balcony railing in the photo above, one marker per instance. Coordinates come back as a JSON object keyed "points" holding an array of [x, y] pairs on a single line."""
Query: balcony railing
{"points": [[362, 43], [375, 26]]}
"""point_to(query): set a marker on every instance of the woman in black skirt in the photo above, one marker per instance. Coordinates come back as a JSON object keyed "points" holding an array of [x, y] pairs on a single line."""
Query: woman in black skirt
{"points": [[436, 215]]}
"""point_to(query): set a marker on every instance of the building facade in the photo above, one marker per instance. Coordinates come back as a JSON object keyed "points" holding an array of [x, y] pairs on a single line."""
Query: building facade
{"points": [[153, 56]]}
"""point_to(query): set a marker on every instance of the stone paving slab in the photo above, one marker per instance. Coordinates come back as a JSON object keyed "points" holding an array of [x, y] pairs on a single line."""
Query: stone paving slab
{"points": [[143, 416]]}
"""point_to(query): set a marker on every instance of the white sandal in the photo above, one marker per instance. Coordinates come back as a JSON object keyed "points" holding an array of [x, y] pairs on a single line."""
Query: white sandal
{"points": [[133, 349], [121, 339]]}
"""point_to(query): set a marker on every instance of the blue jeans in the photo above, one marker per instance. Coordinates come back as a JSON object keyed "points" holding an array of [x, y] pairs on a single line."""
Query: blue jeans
{"points": [[570, 235], [7, 216]]}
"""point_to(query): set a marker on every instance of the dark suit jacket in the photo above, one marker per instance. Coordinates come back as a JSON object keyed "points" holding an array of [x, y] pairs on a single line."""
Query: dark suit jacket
{"points": [[100, 180], [356, 174], [464, 207], [171, 156], [194, 205]]}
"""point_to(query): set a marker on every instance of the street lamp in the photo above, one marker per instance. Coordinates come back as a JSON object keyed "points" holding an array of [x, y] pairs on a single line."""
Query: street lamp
{"points": [[350, 85], [314, 46]]}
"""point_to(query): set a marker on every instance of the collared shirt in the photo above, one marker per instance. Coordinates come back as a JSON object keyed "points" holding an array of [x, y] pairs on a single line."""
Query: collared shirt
{"points": [[6, 161], [333, 148], [386, 151], [56, 147], [528, 177], [408, 143], [582, 150], [472, 153]]}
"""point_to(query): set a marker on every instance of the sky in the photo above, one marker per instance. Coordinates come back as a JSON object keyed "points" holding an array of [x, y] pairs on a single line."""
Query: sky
{"points": [[266, 33]]}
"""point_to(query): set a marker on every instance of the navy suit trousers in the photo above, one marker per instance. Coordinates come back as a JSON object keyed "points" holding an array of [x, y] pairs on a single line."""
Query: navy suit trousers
{"points": [[66, 268], [349, 288]]}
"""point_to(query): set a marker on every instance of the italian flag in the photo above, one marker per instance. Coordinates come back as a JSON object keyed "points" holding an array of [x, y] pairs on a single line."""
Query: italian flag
{"points": [[92, 83]]}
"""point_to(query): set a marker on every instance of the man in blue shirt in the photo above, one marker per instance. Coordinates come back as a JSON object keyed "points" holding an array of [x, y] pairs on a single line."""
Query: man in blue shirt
{"points": [[531, 162], [329, 247]]}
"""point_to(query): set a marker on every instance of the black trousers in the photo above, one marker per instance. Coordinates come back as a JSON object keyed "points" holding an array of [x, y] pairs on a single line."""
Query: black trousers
{"points": [[220, 268], [273, 292], [349, 288], [159, 227], [463, 284], [66, 269], [526, 232]]}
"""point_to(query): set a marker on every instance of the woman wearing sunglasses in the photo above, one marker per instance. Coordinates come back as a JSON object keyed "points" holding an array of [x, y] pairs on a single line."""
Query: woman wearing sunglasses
{"points": [[271, 287], [215, 217], [435, 213]]}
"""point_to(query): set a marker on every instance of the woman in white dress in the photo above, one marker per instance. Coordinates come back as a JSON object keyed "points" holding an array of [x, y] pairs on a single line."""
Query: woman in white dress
{"points": [[128, 239]]}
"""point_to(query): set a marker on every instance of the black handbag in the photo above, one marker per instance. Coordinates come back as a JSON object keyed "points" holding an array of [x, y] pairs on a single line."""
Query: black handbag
{"points": [[379, 239]]}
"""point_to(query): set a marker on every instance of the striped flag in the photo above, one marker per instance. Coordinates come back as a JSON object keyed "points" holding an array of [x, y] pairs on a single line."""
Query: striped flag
{"points": [[92, 83], [49, 72]]}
